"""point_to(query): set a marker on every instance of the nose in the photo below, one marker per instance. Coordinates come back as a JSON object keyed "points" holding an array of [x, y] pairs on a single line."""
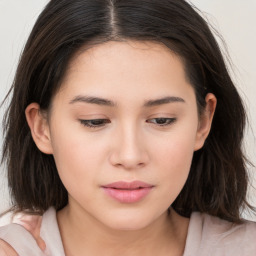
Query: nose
{"points": [[129, 149]]}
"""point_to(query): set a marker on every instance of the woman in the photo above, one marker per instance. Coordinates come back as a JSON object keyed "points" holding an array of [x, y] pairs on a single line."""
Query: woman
{"points": [[124, 132]]}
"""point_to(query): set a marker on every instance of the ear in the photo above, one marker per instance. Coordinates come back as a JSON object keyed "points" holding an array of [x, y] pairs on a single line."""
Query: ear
{"points": [[205, 121], [39, 128]]}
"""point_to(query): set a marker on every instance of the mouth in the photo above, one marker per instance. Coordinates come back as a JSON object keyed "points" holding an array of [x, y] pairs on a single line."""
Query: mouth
{"points": [[128, 192]]}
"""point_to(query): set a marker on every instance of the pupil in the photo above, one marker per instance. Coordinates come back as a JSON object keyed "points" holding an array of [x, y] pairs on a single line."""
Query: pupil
{"points": [[161, 120], [97, 122]]}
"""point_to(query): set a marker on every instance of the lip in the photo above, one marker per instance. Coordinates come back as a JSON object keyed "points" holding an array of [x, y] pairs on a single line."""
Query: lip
{"points": [[128, 192]]}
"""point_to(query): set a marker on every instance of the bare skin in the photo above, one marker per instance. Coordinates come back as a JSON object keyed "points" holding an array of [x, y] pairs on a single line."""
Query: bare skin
{"points": [[170, 239], [123, 121], [32, 223], [167, 236], [6, 249]]}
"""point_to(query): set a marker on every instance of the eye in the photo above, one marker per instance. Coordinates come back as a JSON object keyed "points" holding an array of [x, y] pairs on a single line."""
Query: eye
{"points": [[161, 121], [94, 123]]}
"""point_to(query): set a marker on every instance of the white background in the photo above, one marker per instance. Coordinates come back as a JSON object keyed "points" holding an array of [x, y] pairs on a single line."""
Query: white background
{"points": [[234, 19]]}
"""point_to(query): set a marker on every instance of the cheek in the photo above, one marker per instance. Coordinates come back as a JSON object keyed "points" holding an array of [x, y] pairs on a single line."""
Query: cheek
{"points": [[75, 161], [174, 156], [176, 150], [176, 161], [74, 154], [71, 145]]}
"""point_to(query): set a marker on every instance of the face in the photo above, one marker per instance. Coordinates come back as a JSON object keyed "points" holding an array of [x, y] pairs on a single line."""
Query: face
{"points": [[122, 130]]}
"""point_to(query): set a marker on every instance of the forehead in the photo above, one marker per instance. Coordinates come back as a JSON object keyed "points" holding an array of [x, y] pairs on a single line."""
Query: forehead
{"points": [[105, 56], [131, 68]]}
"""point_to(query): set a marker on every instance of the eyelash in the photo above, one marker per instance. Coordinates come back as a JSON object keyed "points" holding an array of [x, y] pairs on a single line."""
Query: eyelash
{"points": [[97, 123], [168, 121]]}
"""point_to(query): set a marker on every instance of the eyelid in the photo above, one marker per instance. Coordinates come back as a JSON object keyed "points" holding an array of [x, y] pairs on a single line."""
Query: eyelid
{"points": [[89, 122], [169, 121], [101, 122]]}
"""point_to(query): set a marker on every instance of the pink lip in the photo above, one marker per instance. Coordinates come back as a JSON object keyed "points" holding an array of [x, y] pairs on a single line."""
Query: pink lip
{"points": [[128, 192]]}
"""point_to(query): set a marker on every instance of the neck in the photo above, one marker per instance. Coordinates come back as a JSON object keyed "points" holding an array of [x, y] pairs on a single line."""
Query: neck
{"points": [[165, 236]]}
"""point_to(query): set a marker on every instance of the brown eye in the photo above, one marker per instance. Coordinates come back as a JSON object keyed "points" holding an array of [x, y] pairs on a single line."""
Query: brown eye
{"points": [[161, 121], [94, 123]]}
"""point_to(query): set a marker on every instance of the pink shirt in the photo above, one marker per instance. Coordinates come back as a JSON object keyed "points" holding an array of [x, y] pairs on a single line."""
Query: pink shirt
{"points": [[207, 236]]}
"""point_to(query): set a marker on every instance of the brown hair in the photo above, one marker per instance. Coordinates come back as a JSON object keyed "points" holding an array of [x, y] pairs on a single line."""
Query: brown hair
{"points": [[217, 183]]}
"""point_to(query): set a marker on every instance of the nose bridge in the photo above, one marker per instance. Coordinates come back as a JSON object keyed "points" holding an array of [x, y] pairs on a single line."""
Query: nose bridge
{"points": [[130, 151]]}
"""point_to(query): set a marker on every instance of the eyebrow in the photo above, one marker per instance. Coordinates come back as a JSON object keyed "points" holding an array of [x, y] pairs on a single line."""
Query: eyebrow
{"points": [[93, 100], [106, 102], [161, 101]]}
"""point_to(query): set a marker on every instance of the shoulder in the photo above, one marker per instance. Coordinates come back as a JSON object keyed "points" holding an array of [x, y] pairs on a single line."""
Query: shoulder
{"points": [[215, 236], [33, 235], [21, 234], [6, 249], [227, 231]]}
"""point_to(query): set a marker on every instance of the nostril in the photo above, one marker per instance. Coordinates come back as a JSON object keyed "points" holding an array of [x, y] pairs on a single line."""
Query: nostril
{"points": [[129, 156]]}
